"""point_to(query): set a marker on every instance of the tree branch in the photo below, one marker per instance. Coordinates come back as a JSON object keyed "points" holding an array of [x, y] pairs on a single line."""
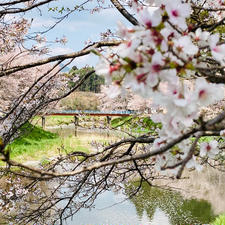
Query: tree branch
{"points": [[20, 10], [83, 52], [124, 12]]}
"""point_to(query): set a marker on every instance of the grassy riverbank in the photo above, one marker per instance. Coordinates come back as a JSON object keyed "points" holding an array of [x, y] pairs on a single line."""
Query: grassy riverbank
{"points": [[36, 144]]}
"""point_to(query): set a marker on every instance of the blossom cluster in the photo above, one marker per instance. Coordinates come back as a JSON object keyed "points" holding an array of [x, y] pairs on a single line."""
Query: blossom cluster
{"points": [[13, 192], [26, 96], [12, 34], [155, 60]]}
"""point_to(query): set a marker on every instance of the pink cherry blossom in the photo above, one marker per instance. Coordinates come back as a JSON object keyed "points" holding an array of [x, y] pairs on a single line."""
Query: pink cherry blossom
{"points": [[155, 61], [201, 35]]}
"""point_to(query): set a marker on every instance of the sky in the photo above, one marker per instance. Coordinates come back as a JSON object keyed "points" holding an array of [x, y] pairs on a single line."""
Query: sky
{"points": [[77, 28]]}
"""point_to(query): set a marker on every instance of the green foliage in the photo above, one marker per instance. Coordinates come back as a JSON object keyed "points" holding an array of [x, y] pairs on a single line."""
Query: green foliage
{"points": [[200, 209], [45, 162], [92, 84], [59, 9], [136, 124], [220, 29], [206, 139], [220, 220], [63, 9], [148, 123], [120, 121]]}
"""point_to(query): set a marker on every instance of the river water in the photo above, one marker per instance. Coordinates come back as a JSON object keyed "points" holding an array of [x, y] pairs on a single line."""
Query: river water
{"points": [[199, 199], [152, 205]]}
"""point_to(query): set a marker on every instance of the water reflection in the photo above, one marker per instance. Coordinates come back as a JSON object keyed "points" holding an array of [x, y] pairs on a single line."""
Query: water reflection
{"points": [[160, 217], [178, 210], [151, 206]]}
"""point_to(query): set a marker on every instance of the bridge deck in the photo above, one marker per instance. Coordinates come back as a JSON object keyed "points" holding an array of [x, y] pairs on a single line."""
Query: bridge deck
{"points": [[89, 113]]}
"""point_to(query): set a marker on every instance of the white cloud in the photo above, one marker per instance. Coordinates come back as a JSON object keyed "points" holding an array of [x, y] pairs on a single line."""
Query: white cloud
{"points": [[42, 23], [60, 51], [84, 60]]}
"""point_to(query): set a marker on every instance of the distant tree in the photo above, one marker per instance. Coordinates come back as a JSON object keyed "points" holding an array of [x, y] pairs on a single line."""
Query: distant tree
{"points": [[92, 84]]}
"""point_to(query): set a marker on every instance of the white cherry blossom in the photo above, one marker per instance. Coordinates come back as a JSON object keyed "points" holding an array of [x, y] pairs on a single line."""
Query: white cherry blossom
{"points": [[129, 49], [193, 164], [113, 90], [218, 51], [123, 31], [209, 149], [206, 93], [150, 16], [184, 46], [201, 37], [151, 62], [222, 133], [103, 68], [178, 12]]}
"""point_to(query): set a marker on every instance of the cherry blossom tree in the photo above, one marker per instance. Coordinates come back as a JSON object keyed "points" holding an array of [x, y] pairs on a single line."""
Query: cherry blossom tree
{"points": [[169, 43], [128, 101], [156, 53], [17, 84]]}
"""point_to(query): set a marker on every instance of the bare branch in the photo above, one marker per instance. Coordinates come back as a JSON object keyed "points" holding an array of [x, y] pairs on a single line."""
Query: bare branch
{"points": [[208, 9], [124, 12], [20, 10]]}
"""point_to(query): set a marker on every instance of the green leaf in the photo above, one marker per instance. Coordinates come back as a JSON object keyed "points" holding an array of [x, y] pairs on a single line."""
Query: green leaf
{"points": [[117, 122]]}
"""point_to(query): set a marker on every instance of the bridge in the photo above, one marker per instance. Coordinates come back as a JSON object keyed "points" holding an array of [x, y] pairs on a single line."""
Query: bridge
{"points": [[77, 113], [89, 113]]}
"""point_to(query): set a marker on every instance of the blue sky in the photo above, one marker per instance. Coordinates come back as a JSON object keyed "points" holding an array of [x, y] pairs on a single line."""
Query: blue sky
{"points": [[78, 28]]}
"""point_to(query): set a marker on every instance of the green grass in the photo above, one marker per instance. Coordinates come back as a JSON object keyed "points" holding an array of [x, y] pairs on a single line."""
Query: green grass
{"points": [[220, 220], [36, 144], [32, 138]]}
